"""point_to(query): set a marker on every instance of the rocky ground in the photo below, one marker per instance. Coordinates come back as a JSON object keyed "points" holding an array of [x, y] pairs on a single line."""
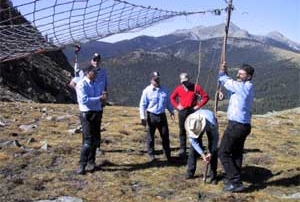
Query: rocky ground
{"points": [[40, 145]]}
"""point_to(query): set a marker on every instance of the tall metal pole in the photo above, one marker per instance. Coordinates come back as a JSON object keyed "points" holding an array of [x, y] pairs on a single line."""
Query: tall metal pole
{"points": [[223, 53]]}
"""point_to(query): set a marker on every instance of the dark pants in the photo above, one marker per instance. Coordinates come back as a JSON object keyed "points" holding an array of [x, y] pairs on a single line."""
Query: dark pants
{"points": [[213, 138], [158, 121], [231, 150], [182, 114], [90, 122], [100, 124]]}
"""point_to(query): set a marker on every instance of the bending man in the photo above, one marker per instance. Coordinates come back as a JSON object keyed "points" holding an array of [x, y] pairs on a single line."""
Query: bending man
{"points": [[203, 120]]}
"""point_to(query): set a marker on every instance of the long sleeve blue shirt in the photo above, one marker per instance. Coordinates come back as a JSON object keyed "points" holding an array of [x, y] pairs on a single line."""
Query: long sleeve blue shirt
{"points": [[211, 126], [155, 100], [88, 95], [241, 98]]}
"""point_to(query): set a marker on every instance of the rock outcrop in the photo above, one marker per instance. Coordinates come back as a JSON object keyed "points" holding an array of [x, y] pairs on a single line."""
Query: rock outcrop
{"points": [[37, 77]]}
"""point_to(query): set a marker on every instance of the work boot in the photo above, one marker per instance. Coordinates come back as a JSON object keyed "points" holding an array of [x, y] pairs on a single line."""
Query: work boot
{"points": [[81, 170]]}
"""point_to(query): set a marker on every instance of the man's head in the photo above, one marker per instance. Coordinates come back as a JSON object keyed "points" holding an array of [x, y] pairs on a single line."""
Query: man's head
{"points": [[245, 73], [155, 78], [90, 72], [96, 59]]}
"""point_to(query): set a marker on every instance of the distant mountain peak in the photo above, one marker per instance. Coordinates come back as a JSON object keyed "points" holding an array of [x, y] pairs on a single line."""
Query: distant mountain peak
{"points": [[216, 31], [277, 36], [203, 32]]}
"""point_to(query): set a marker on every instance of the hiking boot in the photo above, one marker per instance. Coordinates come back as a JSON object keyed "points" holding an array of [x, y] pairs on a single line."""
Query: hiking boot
{"points": [[81, 170]]}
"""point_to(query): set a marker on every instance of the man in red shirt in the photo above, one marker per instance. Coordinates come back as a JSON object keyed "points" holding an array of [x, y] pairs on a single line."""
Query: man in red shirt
{"points": [[185, 98]]}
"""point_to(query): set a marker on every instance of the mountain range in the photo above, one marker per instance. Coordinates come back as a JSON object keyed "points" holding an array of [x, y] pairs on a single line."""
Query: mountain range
{"points": [[202, 33], [130, 62]]}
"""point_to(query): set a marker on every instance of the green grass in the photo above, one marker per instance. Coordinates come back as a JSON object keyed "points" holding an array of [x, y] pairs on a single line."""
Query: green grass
{"points": [[271, 166]]}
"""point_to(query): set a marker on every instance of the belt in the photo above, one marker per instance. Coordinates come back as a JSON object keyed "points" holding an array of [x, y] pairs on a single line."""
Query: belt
{"points": [[244, 124], [188, 108], [90, 112], [156, 114]]}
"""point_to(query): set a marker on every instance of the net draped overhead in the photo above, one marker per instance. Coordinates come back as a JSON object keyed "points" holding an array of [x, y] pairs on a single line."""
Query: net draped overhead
{"points": [[44, 25]]}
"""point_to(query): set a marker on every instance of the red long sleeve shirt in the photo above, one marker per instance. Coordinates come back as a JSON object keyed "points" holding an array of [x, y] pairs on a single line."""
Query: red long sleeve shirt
{"points": [[188, 98]]}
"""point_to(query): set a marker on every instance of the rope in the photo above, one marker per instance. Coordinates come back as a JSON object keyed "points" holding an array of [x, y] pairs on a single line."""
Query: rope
{"points": [[218, 93], [51, 25], [199, 66]]}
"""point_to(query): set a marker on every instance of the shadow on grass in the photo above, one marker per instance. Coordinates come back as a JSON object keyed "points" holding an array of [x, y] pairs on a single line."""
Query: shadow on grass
{"points": [[110, 166], [157, 152], [258, 177], [252, 151]]}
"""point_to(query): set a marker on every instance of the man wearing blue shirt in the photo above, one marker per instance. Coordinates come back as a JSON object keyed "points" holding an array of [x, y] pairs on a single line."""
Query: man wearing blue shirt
{"points": [[154, 101], [239, 124], [89, 97], [101, 82], [101, 74], [202, 120]]}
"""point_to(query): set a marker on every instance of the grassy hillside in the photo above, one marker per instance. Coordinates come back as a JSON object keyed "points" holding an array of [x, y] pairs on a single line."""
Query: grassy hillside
{"points": [[39, 162], [276, 78]]}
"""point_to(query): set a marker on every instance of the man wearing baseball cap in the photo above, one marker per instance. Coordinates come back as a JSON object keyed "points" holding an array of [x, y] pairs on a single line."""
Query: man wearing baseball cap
{"points": [[186, 98], [89, 99], [153, 104], [101, 81]]}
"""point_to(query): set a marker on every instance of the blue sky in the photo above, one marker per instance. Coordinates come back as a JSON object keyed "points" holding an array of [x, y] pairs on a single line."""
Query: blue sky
{"points": [[256, 16]]}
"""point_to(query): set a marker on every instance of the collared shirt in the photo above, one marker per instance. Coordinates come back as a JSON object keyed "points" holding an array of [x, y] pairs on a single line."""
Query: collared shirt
{"points": [[241, 98], [101, 78], [188, 98], [155, 100], [211, 126], [88, 95]]}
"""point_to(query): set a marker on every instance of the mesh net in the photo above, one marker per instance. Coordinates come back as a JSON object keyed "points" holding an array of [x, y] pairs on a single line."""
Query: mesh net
{"points": [[42, 25]]}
